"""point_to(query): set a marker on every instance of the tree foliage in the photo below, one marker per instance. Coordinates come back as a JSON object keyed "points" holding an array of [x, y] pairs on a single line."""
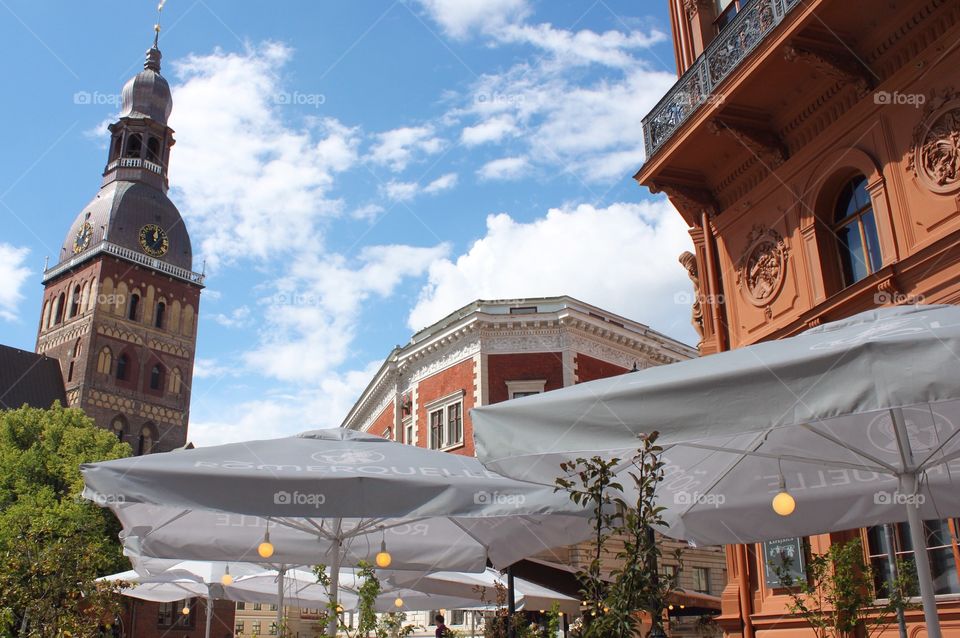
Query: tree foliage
{"points": [[53, 543], [635, 585], [838, 599]]}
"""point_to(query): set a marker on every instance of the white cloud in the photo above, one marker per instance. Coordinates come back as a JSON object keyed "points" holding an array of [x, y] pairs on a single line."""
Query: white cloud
{"points": [[238, 317], [13, 274], [622, 258], [367, 212], [251, 184], [311, 319], [397, 148], [459, 18], [504, 168], [209, 368], [405, 191], [442, 183], [491, 130], [574, 48]]}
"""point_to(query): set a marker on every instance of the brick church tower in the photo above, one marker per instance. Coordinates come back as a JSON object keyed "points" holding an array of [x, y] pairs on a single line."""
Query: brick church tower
{"points": [[120, 305]]}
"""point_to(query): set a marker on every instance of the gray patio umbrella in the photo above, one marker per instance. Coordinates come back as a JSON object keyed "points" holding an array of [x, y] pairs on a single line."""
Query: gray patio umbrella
{"points": [[857, 420], [332, 497]]}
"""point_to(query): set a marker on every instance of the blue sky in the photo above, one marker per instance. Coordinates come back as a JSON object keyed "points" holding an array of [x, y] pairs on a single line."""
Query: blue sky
{"points": [[351, 172]]}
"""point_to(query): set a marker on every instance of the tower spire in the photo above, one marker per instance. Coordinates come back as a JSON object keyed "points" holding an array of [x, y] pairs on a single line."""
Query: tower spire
{"points": [[156, 27]]}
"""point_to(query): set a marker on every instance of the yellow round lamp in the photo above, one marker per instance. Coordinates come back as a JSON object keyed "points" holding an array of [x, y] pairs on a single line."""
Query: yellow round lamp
{"points": [[398, 603], [784, 503], [186, 610], [226, 580], [265, 549], [384, 559]]}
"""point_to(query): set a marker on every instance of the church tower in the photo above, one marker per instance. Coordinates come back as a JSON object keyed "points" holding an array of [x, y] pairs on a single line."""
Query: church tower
{"points": [[120, 305]]}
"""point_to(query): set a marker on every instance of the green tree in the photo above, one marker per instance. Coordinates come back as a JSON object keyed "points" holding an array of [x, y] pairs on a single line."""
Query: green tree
{"points": [[53, 543]]}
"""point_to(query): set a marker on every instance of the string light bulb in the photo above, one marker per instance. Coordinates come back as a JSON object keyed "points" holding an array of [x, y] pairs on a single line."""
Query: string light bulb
{"points": [[226, 580], [398, 603], [265, 549], [383, 558], [783, 503], [186, 610]]}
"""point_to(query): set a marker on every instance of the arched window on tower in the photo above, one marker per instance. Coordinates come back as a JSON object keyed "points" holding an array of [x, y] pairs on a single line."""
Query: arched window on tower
{"points": [[105, 360], [160, 314], [58, 309], [77, 348], [123, 363], [134, 145], [175, 383], [854, 227], [153, 149], [115, 144], [70, 372], [134, 307], [146, 440], [75, 301], [156, 377], [118, 426]]}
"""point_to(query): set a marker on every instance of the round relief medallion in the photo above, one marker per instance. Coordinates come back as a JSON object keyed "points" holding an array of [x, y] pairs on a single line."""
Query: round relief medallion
{"points": [[763, 266], [935, 157]]}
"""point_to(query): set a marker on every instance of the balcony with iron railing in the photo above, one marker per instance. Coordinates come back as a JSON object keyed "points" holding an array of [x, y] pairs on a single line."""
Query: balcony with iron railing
{"points": [[699, 84], [129, 255]]}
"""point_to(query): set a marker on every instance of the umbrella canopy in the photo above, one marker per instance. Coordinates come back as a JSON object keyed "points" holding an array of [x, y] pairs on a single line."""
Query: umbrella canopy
{"points": [[857, 419], [481, 587], [332, 497]]}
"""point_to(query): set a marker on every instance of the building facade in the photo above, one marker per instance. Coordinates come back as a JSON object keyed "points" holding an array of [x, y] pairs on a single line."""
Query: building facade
{"points": [[493, 351], [120, 305], [813, 147]]}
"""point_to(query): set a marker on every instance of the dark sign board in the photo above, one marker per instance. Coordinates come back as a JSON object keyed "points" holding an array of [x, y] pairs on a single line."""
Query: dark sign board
{"points": [[787, 556]]}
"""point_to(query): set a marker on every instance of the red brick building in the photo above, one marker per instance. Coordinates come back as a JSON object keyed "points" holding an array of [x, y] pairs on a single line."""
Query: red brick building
{"points": [[143, 619], [813, 147], [492, 351]]}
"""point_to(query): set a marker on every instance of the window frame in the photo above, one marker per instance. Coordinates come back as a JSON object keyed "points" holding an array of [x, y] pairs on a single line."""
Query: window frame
{"points": [[705, 571], [442, 407], [855, 219], [525, 387], [901, 533]]}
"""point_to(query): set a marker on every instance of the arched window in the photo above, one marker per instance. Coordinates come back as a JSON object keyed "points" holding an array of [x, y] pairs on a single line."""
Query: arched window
{"points": [[159, 316], [75, 301], [146, 440], [118, 426], [153, 149], [105, 361], [77, 348], [134, 144], [123, 362], [134, 305], [156, 377], [70, 372], [856, 231], [175, 383], [58, 314], [115, 147]]}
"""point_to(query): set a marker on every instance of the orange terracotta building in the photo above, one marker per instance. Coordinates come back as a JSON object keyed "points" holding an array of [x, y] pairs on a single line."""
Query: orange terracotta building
{"points": [[813, 147]]}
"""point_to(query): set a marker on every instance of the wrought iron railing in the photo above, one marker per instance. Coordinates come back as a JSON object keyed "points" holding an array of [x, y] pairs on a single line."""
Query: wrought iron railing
{"points": [[135, 162], [129, 255], [698, 85]]}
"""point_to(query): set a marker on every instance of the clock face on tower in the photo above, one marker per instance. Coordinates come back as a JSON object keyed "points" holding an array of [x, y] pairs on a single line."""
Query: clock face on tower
{"points": [[82, 239], [154, 240]]}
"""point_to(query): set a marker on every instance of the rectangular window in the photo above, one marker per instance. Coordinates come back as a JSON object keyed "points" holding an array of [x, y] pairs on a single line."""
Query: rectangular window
{"points": [[701, 580], [446, 424], [257, 606], [941, 547], [171, 614], [454, 424], [239, 627], [408, 432], [669, 571], [458, 617], [256, 627]]}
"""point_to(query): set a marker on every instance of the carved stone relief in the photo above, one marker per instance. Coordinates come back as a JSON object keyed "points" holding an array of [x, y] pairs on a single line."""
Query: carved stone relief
{"points": [[762, 267]]}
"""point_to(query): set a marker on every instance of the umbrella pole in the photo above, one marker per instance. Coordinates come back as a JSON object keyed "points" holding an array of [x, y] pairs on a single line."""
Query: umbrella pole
{"points": [[511, 603], [280, 574], [335, 585], [209, 615], [918, 535], [893, 574]]}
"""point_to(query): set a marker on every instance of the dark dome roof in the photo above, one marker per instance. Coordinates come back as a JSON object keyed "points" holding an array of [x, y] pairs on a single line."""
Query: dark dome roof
{"points": [[147, 94], [121, 209]]}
